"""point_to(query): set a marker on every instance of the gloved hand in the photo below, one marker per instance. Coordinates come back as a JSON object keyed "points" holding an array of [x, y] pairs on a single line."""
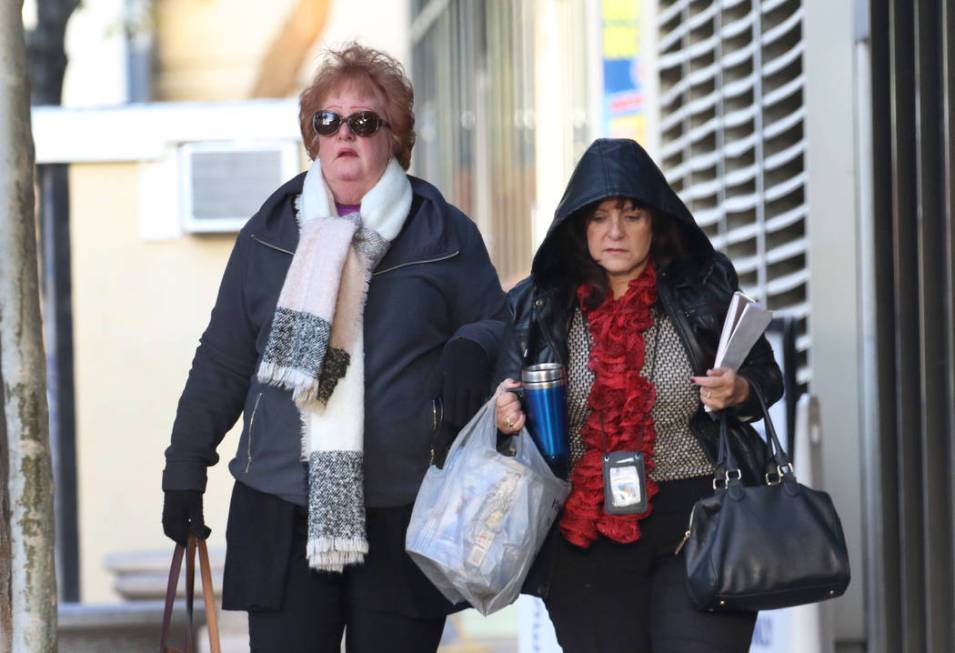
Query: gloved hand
{"points": [[466, 379], [182, 516]]}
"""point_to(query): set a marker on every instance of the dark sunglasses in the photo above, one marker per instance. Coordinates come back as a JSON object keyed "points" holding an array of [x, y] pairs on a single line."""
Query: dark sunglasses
{"points": [[362, 123]]}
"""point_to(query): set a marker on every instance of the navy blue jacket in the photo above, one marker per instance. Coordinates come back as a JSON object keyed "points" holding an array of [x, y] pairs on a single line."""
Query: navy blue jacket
{"points": [[435, 284]]}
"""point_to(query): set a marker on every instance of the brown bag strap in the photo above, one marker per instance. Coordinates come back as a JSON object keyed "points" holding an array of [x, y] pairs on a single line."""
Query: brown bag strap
{"points": [[208, 596], [171, 586], [190, 591]]}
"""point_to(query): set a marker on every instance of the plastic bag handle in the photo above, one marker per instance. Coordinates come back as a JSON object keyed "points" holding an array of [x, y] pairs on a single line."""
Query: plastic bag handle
{"points": [[466, 433]]}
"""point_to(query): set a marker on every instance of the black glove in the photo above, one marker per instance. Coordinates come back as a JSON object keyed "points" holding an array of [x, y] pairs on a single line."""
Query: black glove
{"points": [[466, 380], [182, 516]]}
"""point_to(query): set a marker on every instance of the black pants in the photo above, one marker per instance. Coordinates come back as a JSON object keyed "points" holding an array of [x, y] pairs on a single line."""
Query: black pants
{"points": [[319, 606], [632, 598], [385, 604]]}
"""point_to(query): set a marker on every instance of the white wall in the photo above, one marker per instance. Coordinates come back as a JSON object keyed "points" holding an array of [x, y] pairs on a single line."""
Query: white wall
{"points": [[834, 287], [96, 51]]}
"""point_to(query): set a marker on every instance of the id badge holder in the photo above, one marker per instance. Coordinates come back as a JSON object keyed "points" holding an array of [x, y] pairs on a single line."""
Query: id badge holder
{"points": [[625, 483]]}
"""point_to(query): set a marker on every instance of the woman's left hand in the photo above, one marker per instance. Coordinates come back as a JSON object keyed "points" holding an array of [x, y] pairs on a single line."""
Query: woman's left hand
{"points": [[722, 388]]}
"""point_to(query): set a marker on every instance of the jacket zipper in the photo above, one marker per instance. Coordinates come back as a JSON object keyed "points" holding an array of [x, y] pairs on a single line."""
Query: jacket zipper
{"points": [[679, 319], [375, 274], [692, 351], [430, 260], [248, 445], [541, 327], [271, 246], [437, 416]]}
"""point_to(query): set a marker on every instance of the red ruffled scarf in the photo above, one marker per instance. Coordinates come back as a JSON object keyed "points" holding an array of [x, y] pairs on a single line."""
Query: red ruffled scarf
{"points": [[621, 404]]}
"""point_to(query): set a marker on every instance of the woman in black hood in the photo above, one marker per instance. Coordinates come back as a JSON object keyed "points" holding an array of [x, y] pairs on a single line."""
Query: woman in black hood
{"points": [[628, 294]]}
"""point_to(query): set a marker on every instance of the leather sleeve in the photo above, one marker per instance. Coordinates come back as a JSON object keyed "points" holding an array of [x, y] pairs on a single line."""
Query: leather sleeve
{"points": [[510, 357]]}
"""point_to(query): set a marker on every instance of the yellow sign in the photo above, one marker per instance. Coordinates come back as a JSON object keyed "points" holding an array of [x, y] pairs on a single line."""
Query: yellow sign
{"points": [[621, 42], [633, 126], [621, 10]]}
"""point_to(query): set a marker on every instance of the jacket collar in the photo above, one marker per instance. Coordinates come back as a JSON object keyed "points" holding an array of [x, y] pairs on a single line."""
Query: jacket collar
{"points": [[427, 234]]}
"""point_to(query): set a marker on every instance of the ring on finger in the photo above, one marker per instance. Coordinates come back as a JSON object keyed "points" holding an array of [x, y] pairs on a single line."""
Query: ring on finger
{"points": [[508, 422]]}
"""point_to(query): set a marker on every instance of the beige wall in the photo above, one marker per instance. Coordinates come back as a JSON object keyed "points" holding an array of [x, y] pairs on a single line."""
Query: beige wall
{"points": [[139, 308], [213, 49]]}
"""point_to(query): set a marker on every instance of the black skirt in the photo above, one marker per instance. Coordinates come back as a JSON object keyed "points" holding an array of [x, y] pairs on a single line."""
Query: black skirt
{"points": [[263, 530]]}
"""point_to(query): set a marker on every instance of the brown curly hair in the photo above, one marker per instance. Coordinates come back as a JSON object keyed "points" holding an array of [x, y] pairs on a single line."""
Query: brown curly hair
{"points": [[374, 71]]}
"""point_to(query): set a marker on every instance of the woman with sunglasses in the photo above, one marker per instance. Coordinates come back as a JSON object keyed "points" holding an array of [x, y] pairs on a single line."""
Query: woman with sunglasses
{"points": [[357, 321], [627, 293]]}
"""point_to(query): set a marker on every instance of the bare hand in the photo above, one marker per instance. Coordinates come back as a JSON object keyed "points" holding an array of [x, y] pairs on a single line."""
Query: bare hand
{"points": [[508, 414], [722, 388]]}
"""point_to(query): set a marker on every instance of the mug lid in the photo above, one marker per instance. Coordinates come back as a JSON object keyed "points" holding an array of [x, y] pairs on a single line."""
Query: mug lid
{"points": [[542, 373]]}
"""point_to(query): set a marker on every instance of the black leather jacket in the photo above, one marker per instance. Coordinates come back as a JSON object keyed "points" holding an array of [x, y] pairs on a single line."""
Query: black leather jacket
{"points": [[694, 290], [694, 287], [697, 306]]}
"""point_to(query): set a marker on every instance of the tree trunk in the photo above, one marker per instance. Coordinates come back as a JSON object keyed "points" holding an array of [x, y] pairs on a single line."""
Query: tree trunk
{"points": [[46, 57], [27, 576]]}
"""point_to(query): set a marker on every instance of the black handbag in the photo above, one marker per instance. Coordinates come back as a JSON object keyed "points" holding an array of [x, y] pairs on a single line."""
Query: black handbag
{"points": [[766, 546]]}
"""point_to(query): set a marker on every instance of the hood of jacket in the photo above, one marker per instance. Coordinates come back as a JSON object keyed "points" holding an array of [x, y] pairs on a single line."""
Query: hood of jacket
{"points": [[617, 167]]}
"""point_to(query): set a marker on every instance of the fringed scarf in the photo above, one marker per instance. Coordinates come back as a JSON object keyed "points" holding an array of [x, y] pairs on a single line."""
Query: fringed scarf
{"points": [[621, 409], [316, 350]]}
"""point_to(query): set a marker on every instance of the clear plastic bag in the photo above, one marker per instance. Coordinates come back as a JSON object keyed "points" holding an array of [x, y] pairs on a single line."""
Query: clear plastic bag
{"points": [[479, 521]]}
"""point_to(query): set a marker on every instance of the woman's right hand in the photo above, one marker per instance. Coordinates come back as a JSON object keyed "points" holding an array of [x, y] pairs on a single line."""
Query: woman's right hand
{"points": [[508, 414], [182, 516]]}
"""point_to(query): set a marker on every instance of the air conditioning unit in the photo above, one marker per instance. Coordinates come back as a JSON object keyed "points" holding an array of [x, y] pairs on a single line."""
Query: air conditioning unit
{"points": [[222, 184]]}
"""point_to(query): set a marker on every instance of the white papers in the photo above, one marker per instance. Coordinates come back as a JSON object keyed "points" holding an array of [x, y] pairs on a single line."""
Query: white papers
{"points": [[745, 323]]}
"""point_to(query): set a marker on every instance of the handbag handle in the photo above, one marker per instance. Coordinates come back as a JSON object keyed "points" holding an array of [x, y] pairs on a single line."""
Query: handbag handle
{"points": [[779, 454], [727, 469], [208, 595]]}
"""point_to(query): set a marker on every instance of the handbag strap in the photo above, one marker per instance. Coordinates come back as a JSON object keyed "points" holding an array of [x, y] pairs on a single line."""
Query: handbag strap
{"points": [[209, 598], [171, 586], [208, 595], [727, 470], [779, 454], [190, 590]]}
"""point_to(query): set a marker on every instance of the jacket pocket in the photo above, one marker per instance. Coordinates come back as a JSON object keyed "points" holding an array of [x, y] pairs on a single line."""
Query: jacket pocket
{"points": [[251, 433]]}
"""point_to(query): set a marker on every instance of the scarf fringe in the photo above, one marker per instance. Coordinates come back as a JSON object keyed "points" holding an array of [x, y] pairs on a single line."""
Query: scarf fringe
{"points": [[334, 553], [302, 384]]}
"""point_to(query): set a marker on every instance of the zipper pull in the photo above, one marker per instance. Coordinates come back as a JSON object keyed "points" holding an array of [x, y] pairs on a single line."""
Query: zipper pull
{"points": [[679, 547], [686, 535]]}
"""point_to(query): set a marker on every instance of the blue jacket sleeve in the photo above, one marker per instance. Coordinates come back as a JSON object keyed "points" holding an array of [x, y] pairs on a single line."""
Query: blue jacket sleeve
{"points": [[479, 307], [218, 381]]}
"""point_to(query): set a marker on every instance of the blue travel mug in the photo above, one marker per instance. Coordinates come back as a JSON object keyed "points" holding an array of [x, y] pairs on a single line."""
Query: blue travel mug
{"points": [[545, 397]]}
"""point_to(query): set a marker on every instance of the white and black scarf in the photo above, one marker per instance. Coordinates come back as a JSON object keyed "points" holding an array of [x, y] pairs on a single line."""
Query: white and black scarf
{"points": [[316, 350]]}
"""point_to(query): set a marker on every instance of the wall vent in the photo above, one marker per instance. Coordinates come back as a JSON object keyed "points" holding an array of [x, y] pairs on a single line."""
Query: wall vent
{"points": [[732, 140], [222, 184]]}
